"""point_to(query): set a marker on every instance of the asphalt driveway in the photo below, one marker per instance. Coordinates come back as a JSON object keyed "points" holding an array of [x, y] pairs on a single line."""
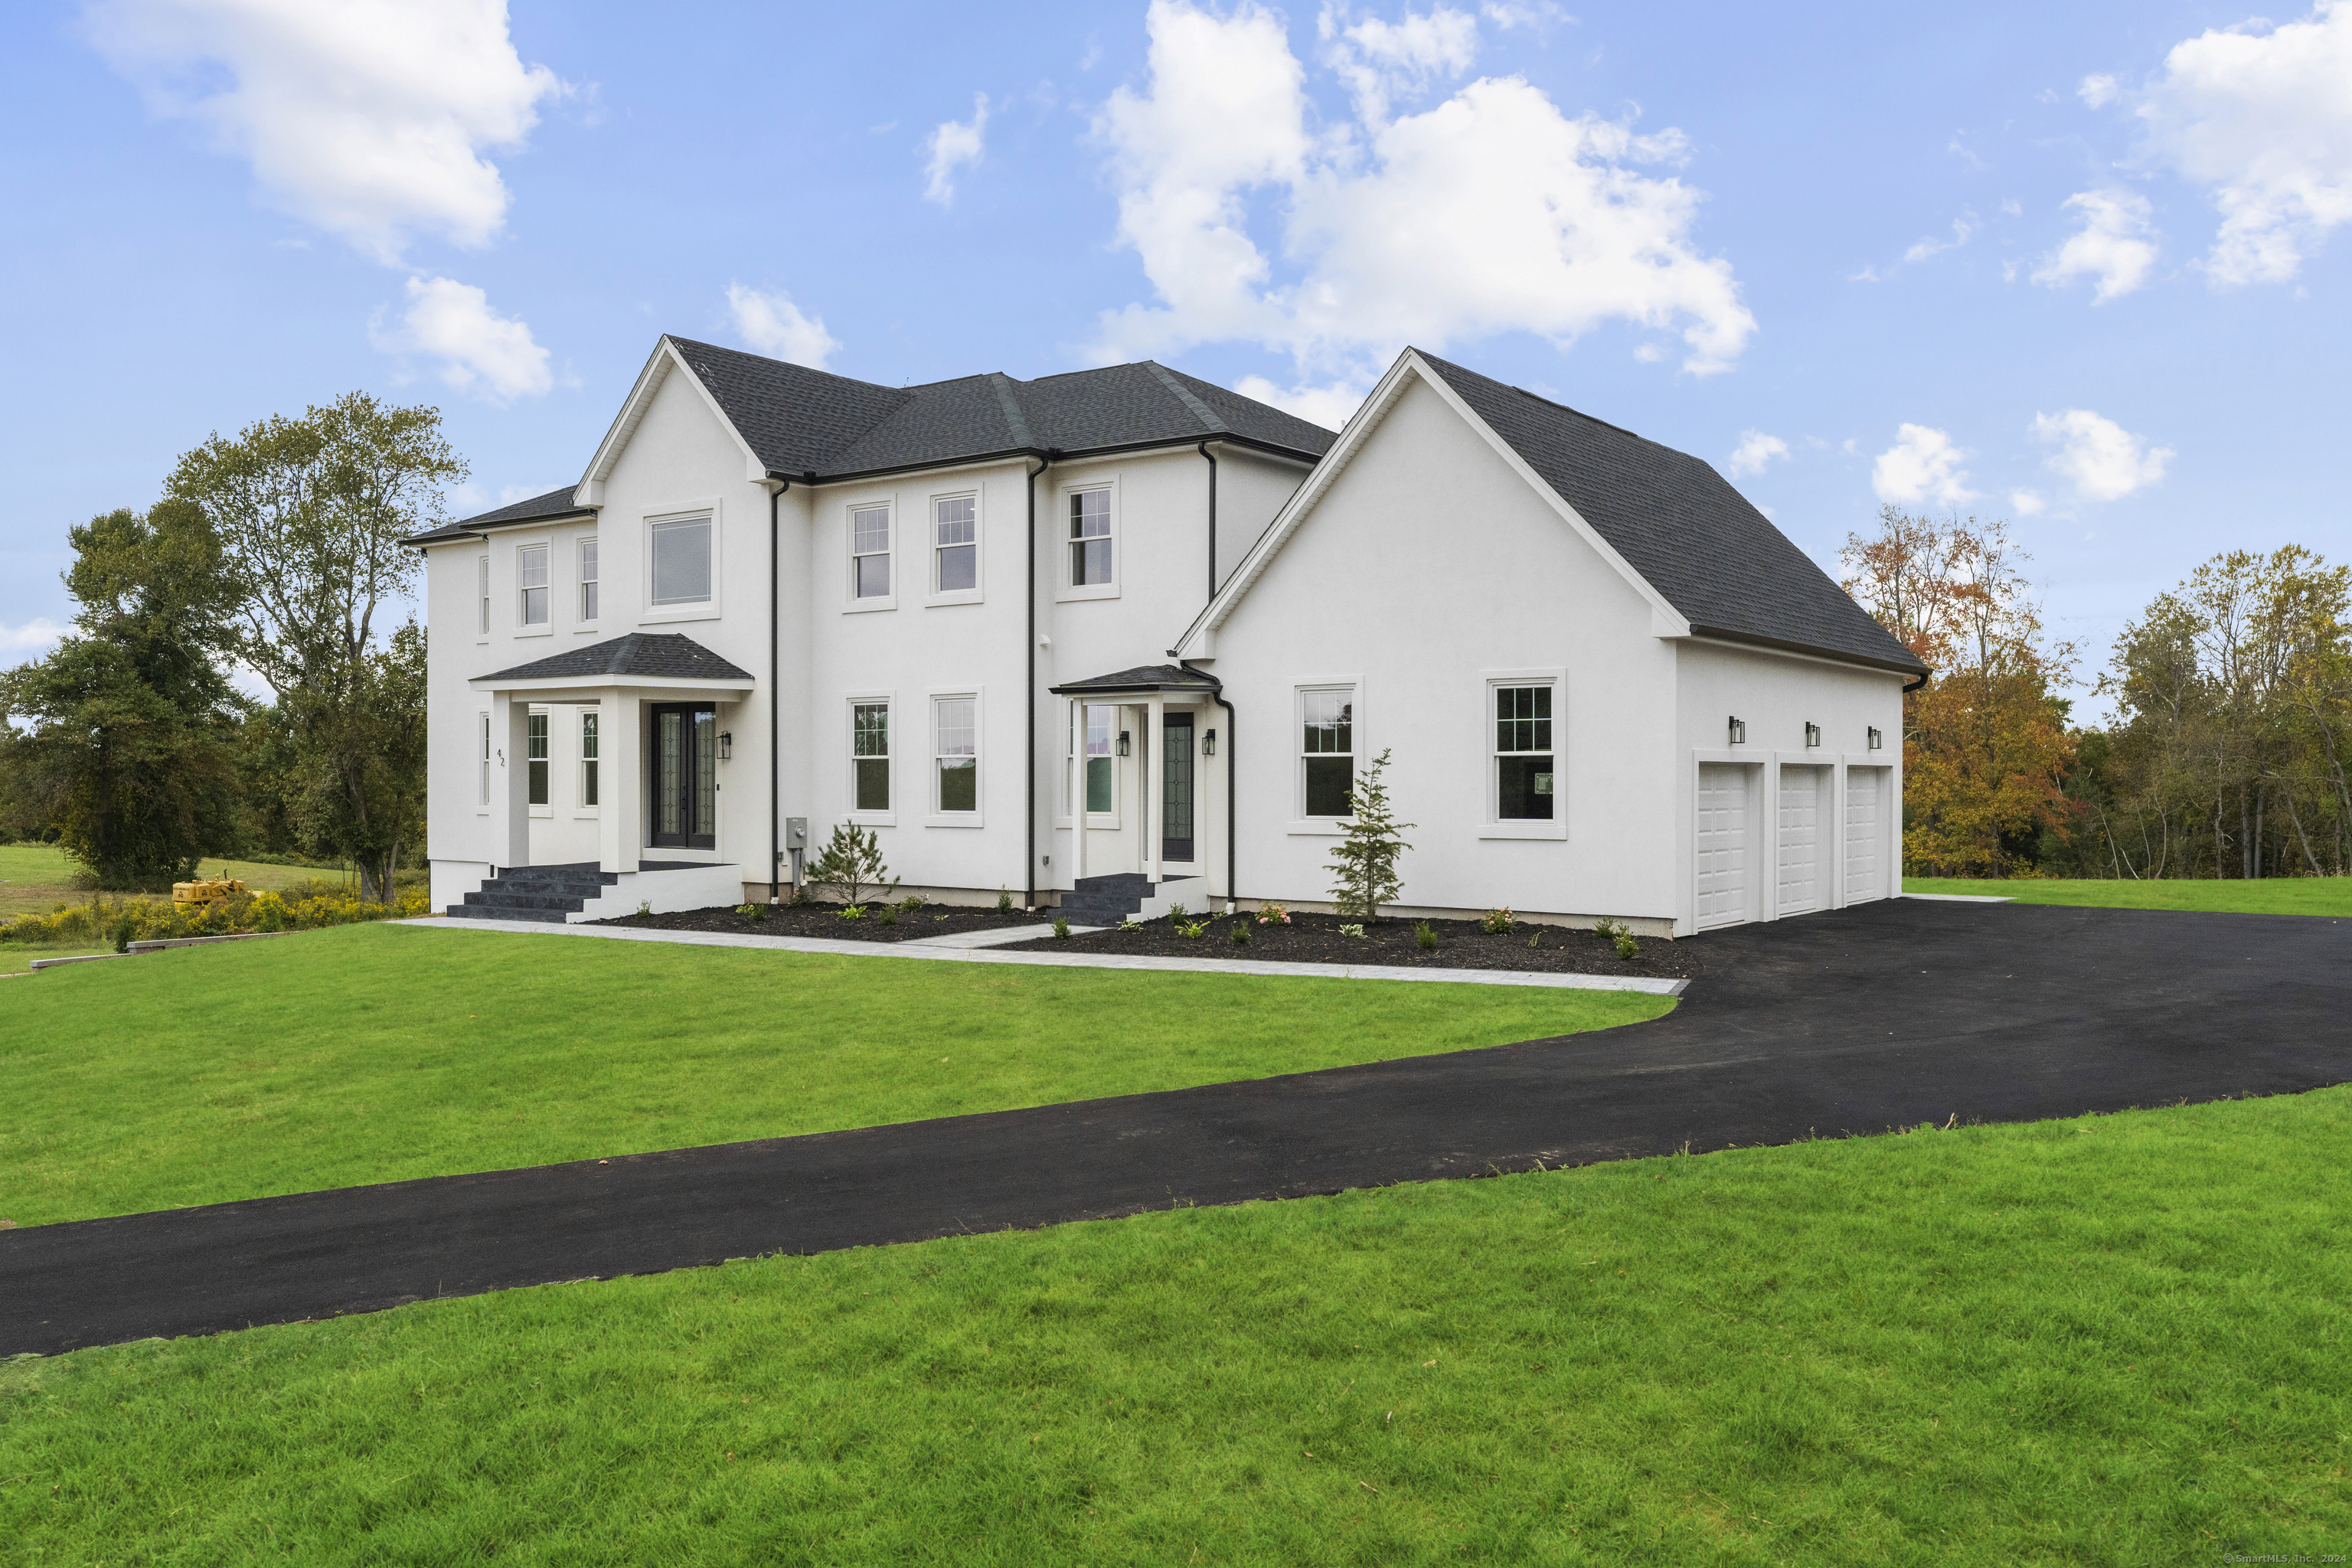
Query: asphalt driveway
{"points": [[1853, 1022]]}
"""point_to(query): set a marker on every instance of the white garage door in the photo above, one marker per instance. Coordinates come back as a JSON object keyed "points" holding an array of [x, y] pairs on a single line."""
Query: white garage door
{"points": [[1722, 843], [1801, 839], [1866, 834]]}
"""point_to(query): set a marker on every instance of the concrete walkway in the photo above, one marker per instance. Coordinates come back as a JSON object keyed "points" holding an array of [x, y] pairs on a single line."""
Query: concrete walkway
{"points": [[968, 948]]}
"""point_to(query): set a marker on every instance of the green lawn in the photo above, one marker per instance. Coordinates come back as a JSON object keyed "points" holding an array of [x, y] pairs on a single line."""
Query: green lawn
{"points": [[2117, 1339], [378, 1053], [35, 878], [2263, 896]]}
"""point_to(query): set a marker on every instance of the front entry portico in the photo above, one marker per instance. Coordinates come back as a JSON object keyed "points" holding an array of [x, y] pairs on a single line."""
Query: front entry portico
{"points": [[1142, 798]]}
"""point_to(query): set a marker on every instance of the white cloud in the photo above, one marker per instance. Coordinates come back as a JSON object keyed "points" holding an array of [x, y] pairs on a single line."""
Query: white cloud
{"points": [[368, 118], [31, 639], [1755, 450], [1329, 407], [1489, 213], [2025, 503], [481, 352], [1381, 60], [2098, 91], [952, 146], [769, 324], [1541, 15], [1922, 465], [1963, 226], [2103, 461], [2262, 117], [2111, 246]]}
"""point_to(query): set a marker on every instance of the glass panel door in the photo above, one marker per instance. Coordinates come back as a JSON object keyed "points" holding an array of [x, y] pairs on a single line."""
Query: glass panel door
{"points": [[685, 767], [1176, 798]]}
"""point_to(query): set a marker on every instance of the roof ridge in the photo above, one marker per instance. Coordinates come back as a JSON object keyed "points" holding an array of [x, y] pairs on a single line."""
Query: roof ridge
{"points": [[770, 359], [1188, 398], [1013, 415]]}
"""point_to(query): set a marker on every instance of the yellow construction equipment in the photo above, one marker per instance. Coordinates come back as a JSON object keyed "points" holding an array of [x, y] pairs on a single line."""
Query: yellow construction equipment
{"points": [[203, 895]]}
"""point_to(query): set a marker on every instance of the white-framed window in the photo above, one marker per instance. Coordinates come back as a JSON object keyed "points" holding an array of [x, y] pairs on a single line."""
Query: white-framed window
{"points": [[955, 546], [955, 756], [869, 551], [1102, 766], [535, 733], [590, 744], [1326, 750], [588, 579], [482, 592], [486, 758], [530, 585], [1525, 763], [870, 756], [680, 558], [1093, 541]]}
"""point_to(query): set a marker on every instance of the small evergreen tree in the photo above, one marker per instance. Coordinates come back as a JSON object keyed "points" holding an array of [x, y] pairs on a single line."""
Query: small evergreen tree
{"points": [[851, 864], [1363, 866]]}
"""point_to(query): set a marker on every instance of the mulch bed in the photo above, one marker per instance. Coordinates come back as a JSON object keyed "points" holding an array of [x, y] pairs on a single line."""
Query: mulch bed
{"points": [[824, 920], [1461, 944]]}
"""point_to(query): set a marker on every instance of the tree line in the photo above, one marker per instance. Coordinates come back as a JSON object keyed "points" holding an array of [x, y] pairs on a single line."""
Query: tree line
{"points": [[2232, 715], [274, 553]]}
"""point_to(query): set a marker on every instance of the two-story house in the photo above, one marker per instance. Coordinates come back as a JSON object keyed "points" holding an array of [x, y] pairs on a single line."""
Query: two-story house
{"points": [[1126, 632]]}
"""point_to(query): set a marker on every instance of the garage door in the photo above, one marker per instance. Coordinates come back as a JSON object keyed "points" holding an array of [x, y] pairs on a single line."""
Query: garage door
{"points": [[1801, 839], [1722, 843], [1866, 834]]}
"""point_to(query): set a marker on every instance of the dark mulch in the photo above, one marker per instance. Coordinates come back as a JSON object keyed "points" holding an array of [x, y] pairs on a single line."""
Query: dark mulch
{"points": [[1461, 944], [824, 920]]}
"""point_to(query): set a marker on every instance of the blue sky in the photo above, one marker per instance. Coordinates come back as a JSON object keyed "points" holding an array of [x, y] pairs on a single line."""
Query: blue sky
{"points": [[2078, 265]]}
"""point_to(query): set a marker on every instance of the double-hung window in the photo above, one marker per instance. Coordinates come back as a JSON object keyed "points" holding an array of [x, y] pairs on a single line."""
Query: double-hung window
{"points": [[681, 562], [486, 758], [482, 592], [955, 723], [1090, 538], [1327, 749], [1102, 769], [590, 742], [869, 756], [869, 551], [955, 545], [588, 582], [536, 729], [531, 584], [1524, 759]]}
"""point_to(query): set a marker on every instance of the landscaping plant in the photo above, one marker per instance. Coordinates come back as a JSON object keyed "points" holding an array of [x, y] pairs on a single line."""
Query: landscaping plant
{"points": [[1240, 931], [1495, 922], [1425, 934], [1061, 926], [1364, 863], [1003, 901], [1617, 936], [851, 864], [1273, 915]]}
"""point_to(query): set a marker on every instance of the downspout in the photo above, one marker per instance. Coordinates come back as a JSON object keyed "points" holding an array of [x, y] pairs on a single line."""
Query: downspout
{"points": [[1029, 769], [1212, 518], [1233, 806], [775, 692]]}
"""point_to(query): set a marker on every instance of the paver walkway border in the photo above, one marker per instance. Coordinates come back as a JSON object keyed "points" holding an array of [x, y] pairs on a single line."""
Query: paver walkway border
{"points": [[964, 948]]}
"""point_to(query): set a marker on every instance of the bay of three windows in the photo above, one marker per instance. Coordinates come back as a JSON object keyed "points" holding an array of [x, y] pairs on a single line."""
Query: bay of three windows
{"points": [[953, 545], [536, 760]]}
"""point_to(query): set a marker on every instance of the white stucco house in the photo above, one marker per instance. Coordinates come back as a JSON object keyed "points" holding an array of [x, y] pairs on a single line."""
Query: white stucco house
{"points": [[1122, 637]]}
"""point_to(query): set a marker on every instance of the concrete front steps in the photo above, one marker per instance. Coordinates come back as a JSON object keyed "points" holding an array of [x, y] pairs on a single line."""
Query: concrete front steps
{"points": [[569, 894], [1130, 896]]}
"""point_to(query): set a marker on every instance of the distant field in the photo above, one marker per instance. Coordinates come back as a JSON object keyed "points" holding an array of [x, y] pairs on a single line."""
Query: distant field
{"points": [[2267, 896], [35, 878]]}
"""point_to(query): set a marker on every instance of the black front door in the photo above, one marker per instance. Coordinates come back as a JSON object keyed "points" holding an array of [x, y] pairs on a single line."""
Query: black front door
{"points": [[1176, 795], [684, 798]]}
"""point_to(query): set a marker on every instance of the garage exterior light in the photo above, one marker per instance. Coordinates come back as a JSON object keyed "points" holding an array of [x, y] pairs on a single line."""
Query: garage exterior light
{"points": [[1813, 735], [1739, 732], [1877, 740]]}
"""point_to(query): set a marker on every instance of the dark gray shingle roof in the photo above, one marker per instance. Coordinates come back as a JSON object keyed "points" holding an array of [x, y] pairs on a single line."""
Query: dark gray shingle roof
{"points": [[1145, 677], [538, 509], [659, 656], [1698, 542]]}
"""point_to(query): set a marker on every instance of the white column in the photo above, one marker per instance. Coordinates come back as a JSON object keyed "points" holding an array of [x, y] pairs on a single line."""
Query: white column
{"points": [[1155, 735], [620, 815], [1078, 792], [510, 780]]}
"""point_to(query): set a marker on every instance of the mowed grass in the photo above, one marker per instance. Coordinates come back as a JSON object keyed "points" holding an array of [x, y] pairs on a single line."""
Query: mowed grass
{"points": [[37, 877], [2116, 1340], [378, 1053], [2261, 896]]}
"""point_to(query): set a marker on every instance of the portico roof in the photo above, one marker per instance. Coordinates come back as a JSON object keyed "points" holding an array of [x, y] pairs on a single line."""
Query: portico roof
{"points": [[1143, 678], [638, 658]]}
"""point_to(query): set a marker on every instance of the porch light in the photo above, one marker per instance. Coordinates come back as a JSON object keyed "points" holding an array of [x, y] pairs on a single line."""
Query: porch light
{"points": [[1876, 740], [1122, 742], [726, 744], [1812, 734], [1209, 744], [1739, 732]]}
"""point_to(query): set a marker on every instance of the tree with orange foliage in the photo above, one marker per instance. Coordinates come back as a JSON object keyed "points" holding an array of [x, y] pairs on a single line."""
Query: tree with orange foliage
{"points": [[1986, 747]]}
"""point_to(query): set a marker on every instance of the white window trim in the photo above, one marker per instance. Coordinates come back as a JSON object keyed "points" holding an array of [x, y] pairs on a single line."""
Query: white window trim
{"points": [[933, 815], [1112, 820], [482, 761], [849, 761], [1302, 825], [482, 597], [933, 595], [548, 714], [851, 605], [651, 614], [579, 584], [1492, 825], [547, 626], [1065, 591], [579, 807]]}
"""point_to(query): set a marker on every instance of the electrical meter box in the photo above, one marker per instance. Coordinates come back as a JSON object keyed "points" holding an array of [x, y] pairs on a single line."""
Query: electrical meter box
{"points": [[796, 833]]}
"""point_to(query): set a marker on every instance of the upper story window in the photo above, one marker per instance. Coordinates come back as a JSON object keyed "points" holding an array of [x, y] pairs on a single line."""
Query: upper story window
{"points": [[869, 756], [1090, 538], [955, 543], [956, 723], [531, 584], [1524, 759], [588, 582], [1327, 749], [869, 553], [681, 562], [482, 592]]}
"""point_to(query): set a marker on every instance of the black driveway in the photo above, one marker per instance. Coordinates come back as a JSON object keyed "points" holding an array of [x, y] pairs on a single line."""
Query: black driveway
{"points": [[1855, 1021]]}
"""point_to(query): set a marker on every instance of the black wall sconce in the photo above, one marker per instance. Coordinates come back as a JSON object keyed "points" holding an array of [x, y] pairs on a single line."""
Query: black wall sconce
{"points": [[1812, 734], [1876, 740], [1739, 732], [1122, 742], [726, 744], [1209, 744]]}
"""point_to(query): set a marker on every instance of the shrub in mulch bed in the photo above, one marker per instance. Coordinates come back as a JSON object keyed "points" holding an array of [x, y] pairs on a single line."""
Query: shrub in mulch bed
{"points": [[824, 920], [1461, 944]]}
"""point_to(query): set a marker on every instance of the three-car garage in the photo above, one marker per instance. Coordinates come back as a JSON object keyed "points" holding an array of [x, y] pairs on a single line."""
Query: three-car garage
{"points": [[1787, 837]]}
